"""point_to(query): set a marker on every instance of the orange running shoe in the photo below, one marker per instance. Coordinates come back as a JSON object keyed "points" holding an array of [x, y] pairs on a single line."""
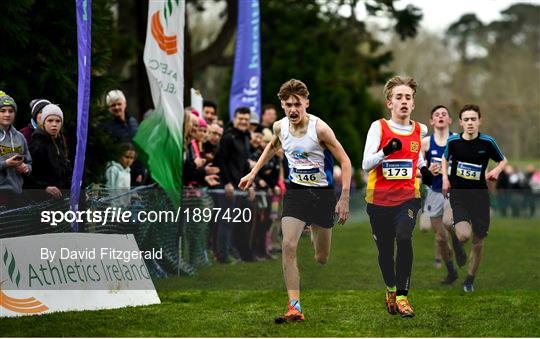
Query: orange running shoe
{"points": [[391, 302], [292, 315], [404, 308]]}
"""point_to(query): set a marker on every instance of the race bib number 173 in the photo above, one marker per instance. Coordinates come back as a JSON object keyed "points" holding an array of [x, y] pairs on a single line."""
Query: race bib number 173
{"points": [[397, 169]]}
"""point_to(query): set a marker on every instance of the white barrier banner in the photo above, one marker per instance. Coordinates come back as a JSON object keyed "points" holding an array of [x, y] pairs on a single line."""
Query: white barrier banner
{"points": [[73, 271]]}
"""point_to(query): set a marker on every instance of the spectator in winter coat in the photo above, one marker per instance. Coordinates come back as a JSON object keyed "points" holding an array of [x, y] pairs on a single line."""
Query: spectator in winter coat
{"points": [[52, 169], [122, 126], [233, 153], [15, 160], [36, 106]]}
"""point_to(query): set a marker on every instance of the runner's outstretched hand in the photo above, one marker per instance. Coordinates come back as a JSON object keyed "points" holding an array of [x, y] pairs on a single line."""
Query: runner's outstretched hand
{"points": [[246, 181], [342, 210]]}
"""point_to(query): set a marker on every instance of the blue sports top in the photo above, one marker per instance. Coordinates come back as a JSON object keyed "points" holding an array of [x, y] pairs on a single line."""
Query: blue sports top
{"points": [[434, 155]]}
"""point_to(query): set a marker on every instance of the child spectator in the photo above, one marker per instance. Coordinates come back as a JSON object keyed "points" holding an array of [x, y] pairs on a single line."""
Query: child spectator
{"points": [[15, 160], [36, 106], [117, 174], [52, 170]]}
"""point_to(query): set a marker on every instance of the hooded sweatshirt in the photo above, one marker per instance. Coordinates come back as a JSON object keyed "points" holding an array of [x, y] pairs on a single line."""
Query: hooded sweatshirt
{"points": [[117, 176], [12, 142]]}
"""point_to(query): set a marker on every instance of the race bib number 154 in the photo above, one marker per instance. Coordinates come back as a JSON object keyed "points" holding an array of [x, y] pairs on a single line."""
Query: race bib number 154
{"points": [[469, 171]]}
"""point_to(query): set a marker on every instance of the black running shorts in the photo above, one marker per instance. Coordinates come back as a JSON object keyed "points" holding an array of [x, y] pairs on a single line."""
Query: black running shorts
{"points": [[393, 219], [471, 205], [313, 205]]}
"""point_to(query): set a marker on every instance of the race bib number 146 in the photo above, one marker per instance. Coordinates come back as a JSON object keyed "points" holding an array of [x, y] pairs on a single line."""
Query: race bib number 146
{"points": [[307, 175]]}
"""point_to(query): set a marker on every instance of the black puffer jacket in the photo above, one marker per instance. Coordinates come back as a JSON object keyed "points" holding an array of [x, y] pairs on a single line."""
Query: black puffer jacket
{"points": [[232, 156], [51, 166]]}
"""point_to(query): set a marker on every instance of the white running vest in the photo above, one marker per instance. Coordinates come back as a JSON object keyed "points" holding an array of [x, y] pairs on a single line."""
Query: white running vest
{"points": [[309, 163]]}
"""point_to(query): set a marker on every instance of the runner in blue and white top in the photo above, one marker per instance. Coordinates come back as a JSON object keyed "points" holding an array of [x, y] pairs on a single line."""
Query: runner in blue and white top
{"points": [[309, 163], [309, 144]]}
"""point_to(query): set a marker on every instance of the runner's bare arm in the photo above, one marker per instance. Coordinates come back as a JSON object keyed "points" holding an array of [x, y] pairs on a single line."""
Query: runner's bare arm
{"points": [[425, 146], [446, 182], [328, 139], [494, 173]]}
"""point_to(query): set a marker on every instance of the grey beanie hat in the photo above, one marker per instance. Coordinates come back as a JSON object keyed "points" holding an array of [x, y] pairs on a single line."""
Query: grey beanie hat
{"points": [[6, 100], [51, 109]]}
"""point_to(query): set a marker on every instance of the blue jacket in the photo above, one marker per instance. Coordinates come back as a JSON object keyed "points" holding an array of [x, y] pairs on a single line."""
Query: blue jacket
{"points": [[122, 130]]}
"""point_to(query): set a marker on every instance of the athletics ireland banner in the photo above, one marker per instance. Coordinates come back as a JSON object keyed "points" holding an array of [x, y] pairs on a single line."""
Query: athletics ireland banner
{"points": [[72, 272], [246, 82], [159, 136], [84, 43]]}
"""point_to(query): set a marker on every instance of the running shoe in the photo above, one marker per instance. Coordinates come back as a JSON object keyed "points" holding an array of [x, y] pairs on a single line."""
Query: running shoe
{"points": [[437, 263], [468, 287], [450, 278], [391, 302], [461, 256], [292, 315], [404, 308]]}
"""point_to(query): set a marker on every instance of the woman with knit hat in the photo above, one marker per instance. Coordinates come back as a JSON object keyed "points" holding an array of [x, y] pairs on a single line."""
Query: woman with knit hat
{"points": [[52, 170], [15, 160]]}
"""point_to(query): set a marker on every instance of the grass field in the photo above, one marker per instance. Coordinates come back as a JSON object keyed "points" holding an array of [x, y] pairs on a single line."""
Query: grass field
{"points": [[343, 298]]}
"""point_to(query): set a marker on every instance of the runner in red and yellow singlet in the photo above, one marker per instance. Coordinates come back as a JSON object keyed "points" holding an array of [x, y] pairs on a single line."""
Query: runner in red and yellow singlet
{"points": [[392, 156], [395, 182]]}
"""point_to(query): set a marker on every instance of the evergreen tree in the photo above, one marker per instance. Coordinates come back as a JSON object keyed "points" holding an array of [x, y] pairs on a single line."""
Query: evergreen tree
{"points": [[39, 60]]}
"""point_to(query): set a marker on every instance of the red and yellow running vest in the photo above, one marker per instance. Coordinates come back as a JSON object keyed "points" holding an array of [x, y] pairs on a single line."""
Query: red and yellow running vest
{"points": [[394, 181]]}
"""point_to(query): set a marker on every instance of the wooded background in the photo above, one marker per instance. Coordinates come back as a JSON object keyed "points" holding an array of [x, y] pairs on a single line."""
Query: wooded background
{"points": [[343, 60]]}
